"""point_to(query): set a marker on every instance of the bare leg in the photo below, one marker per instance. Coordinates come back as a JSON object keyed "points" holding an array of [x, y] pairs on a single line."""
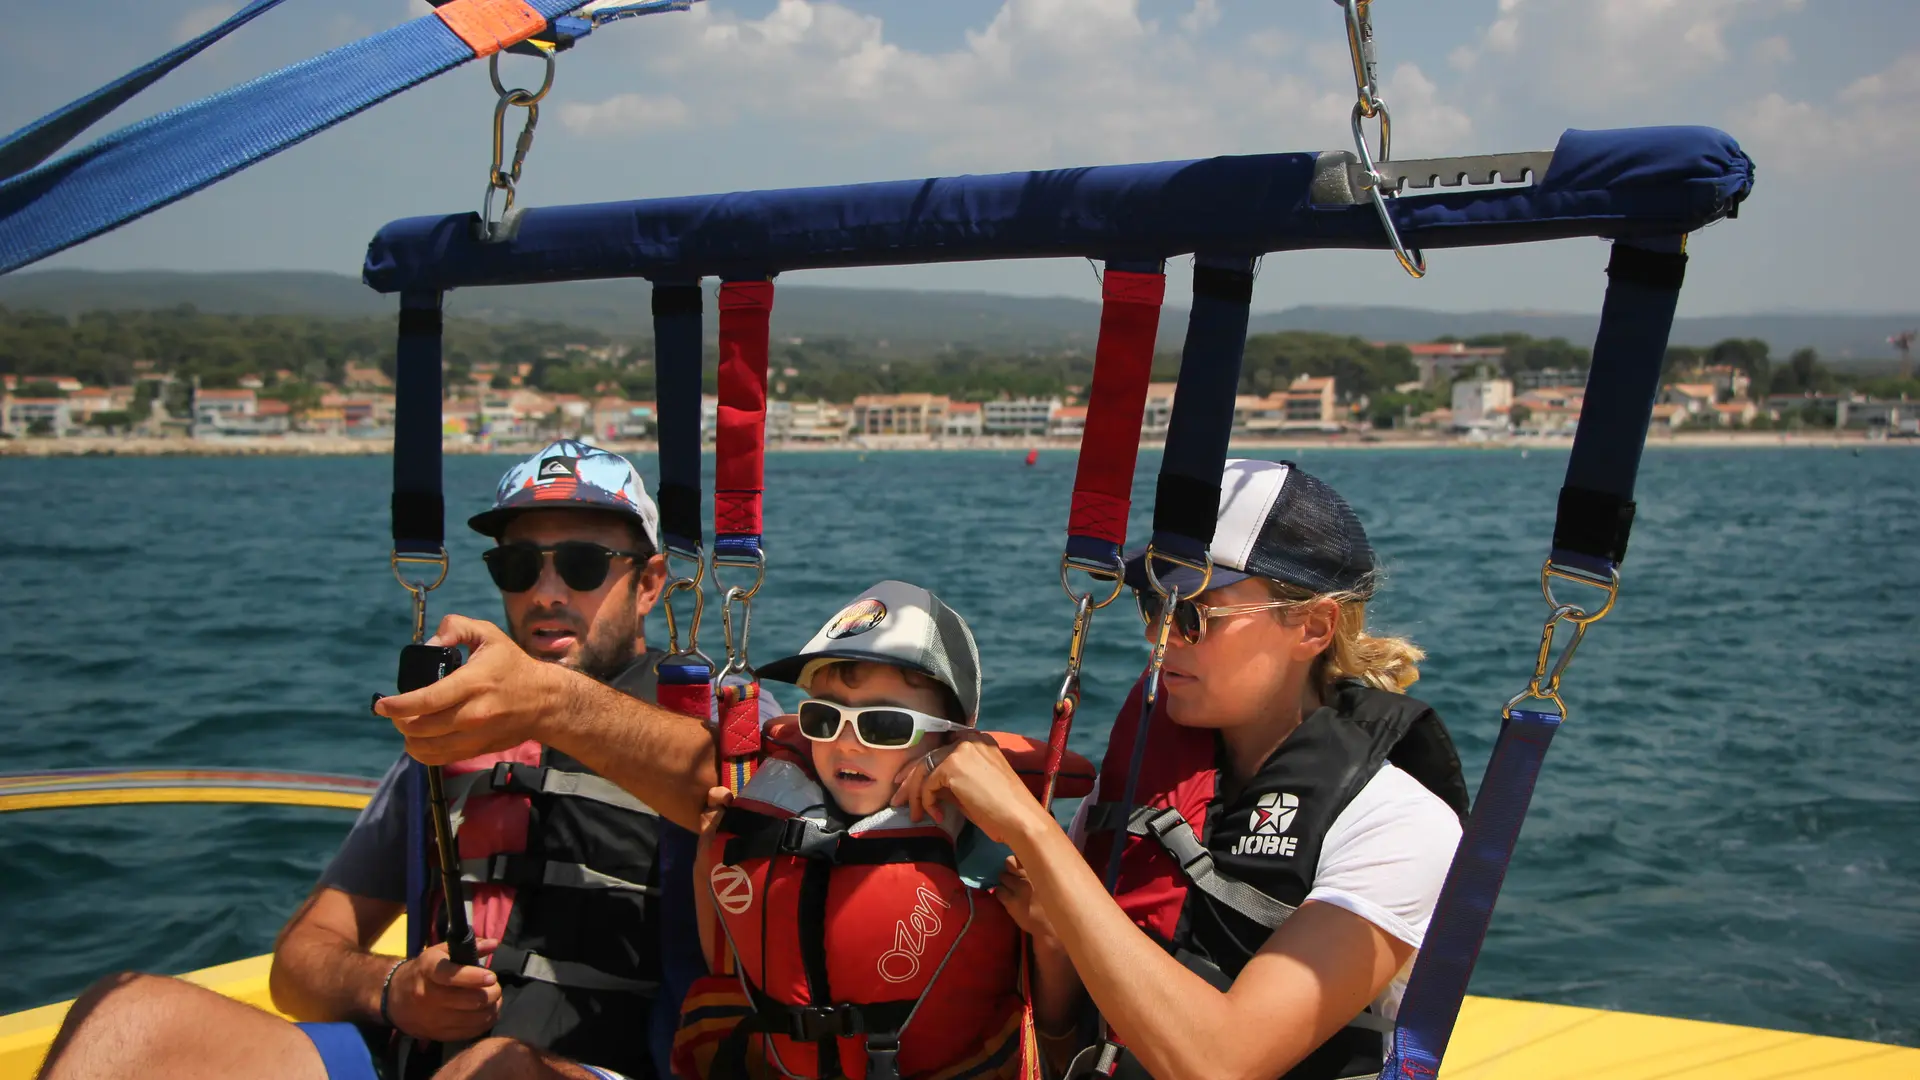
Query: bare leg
{"points": [[157, 1028], [509, 1059]]}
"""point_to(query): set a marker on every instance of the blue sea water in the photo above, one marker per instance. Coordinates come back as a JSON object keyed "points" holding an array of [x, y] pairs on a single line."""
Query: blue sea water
{"points": [[1728, 828]]}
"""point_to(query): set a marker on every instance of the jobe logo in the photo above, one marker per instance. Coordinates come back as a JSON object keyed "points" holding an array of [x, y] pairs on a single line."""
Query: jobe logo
{"points": [[1271, 818], [910, 936], [732, 889]]}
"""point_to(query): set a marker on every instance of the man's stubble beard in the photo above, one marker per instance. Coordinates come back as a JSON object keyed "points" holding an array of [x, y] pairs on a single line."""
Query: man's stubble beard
{"points": [[599, 657]]}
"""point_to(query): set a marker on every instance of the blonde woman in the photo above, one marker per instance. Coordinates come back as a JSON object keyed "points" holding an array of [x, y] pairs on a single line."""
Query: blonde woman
{"points": [[1290, 826]]}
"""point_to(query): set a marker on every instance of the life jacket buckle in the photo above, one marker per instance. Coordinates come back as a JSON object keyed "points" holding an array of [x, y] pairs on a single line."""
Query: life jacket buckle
{"points": [[812, 1023], [507, 778], [804, 839]]}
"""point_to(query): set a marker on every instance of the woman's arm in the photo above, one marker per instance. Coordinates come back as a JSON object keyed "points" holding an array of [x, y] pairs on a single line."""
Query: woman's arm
{"points": [[1319, 970]]}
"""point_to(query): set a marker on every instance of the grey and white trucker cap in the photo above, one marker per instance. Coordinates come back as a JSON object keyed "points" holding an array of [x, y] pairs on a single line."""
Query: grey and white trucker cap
{"points": [[899, 624], [1276, 522]]}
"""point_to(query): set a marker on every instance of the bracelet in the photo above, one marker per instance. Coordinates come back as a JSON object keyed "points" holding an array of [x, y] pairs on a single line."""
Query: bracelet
{"points": [[386, 989]]}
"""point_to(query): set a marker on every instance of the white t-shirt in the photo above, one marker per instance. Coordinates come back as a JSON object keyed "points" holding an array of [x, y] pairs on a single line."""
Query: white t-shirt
{"points": [[1384, 859]]}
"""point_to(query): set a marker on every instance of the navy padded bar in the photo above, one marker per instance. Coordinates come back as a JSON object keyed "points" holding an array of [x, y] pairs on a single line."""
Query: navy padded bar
{"points": [[419, 510], [1636, 182], [677, 359]]}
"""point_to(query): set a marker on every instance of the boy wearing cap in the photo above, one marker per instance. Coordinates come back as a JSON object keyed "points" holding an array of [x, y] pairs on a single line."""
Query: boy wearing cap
{"points": [[859, 932]]}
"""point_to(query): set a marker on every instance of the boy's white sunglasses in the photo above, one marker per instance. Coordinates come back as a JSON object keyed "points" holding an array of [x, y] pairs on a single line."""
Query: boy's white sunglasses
{"points": [[881, 727]]}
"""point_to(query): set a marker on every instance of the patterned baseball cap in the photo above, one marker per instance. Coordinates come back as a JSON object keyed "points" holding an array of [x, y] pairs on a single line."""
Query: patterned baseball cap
{"points": [[1277, 522], [899, 624], [571, 475]]}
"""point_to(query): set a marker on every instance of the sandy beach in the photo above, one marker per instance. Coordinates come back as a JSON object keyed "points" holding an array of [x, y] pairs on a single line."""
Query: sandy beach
{"points": [[306, 445]]}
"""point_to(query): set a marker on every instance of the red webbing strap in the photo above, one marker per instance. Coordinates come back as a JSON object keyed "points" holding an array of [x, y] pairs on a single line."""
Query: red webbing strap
{"points": [[737, 739], [1122, 367], [746, 310], [693, 699]]}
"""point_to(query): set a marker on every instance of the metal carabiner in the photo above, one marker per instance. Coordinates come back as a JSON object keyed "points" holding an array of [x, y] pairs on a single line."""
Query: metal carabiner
{"points": [[737, 662], [690, 585], [1547, 672], [1368, 105], [418, 589]]}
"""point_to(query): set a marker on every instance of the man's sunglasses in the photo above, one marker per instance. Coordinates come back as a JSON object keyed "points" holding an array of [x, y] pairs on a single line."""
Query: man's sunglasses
{"points": [[1190, 617], [881, 727], [515, 567]]}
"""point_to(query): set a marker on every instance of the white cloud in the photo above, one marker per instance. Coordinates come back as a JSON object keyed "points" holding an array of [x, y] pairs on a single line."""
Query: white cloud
{"points": [[1773, 50], [1044, 83], [1870, 128], [1204, 16], [626, 114], [1598, 53], [200, 20]]}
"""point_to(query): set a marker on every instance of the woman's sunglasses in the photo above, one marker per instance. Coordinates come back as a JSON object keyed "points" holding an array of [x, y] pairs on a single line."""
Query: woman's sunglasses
{"points": [[515, 567], [881, 727], [1190, 617]]}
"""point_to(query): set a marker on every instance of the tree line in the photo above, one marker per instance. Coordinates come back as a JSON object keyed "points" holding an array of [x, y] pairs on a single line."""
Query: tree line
{"points": [[113, 347]]}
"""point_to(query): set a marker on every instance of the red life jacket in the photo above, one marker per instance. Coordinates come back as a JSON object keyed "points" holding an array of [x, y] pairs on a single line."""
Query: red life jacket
{"points": [[1210, 875], [862, 952]]}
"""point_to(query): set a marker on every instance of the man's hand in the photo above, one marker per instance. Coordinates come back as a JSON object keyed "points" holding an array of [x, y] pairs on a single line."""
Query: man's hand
{"points": [[432, 997], [495, 700]]}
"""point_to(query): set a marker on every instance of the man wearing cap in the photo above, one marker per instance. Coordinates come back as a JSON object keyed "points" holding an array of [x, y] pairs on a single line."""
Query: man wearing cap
{"points": [[570, 865]]}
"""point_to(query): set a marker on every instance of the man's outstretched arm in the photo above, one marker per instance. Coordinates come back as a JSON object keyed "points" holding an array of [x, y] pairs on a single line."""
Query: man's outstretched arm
{"points": [[502, 697]]}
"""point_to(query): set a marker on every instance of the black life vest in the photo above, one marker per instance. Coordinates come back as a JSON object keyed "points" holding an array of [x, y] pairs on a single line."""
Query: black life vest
{"points": [[1211, 872], [560, 865]]}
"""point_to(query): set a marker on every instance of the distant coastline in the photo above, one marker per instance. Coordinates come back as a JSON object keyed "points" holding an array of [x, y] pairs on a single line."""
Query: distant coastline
{"points": [[335, 446]]}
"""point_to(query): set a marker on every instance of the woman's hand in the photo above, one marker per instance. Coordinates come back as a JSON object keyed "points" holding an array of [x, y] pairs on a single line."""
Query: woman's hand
{"points": [[973, 774], [1016, 895]]}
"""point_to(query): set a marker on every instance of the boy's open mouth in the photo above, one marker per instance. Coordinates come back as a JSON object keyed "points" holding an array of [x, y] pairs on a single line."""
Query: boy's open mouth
{"points": [[852, 776]]}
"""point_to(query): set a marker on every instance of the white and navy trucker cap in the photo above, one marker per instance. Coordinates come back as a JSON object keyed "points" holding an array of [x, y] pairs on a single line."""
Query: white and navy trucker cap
{"points": [[899, 624], [1276, 522]]}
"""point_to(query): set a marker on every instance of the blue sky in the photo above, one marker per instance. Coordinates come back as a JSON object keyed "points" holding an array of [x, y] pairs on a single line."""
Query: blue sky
{"points": [[771, 93]]}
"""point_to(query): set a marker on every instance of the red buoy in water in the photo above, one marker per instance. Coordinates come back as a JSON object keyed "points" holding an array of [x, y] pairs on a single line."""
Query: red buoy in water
{"points": [[1033, 456]]}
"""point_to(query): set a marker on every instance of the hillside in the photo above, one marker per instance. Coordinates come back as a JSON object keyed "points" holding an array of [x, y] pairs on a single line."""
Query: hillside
{"points": [[907, 320]]}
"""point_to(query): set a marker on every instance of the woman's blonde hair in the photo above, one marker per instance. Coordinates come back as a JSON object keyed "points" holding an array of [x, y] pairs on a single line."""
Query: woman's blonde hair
{"points": [[1385, 663]]}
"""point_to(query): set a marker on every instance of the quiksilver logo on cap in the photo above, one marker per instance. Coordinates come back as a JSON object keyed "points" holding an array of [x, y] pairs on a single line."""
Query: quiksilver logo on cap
{"points": [[554, 468], [856, 618]]}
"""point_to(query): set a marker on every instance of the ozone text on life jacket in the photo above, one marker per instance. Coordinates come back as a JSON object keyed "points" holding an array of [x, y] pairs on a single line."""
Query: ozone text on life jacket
{"points": [[862, 952]]}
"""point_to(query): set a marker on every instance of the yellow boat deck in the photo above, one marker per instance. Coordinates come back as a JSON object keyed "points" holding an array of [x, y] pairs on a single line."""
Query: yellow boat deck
{"points": [[1496, 1040]]}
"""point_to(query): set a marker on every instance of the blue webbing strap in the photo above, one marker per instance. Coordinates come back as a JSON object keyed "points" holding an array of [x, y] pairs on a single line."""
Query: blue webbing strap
{"points": [[677, 360], [1596, 504], [1186, 503], [147, 165], [419, 509], [43, 138], [1459, 925], [1187, 498], [1590, 532]]}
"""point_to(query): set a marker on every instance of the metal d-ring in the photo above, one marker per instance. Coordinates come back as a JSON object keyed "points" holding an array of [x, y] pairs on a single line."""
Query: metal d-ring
{"points": [[1116, 570]]}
